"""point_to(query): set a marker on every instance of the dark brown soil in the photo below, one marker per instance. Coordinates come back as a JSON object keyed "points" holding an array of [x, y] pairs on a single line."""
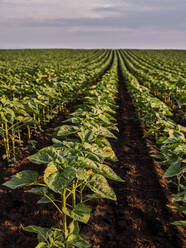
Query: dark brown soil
{"points": [[139, 218]]}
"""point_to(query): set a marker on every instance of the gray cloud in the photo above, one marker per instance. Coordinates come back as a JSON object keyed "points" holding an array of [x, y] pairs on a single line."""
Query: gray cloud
{"points": [[107, 9], [141, 23], [157, 21]]}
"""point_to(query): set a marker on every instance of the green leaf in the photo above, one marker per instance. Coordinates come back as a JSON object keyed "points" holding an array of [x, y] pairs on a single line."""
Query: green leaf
{"points": [[99, 185], [35, 229], [22, 178], [37, 190], [41, 231], [181, 196], [82, 174], [73, 228], [79, 213], [107, 172], [65, 130], [161, 140], [86, 136], [181, 223], [110, 154], [45, 156], [79, 242], [181, 149], [59, 244], [87, 163], [45, 199], [26, 120], [74, 120], [57, 180], [105, 119], [92, 196], [57, 143], [42, 245], [94, 150], [103, 132], [9, 115], [179, 208], [173, 170]]}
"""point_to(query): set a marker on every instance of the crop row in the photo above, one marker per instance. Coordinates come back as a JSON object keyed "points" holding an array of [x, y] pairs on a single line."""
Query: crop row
{"points": [[75, 162], [169, 62], [29, 105], [22, 65], [172, 94], [158, 74], [170, 139]]}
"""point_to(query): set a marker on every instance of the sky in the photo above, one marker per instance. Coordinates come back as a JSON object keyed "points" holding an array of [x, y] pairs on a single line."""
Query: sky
{"points": [[93, 24]]}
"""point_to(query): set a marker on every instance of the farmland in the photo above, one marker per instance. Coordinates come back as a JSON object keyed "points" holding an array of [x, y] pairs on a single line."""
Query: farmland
{"points": [[92, 148]]}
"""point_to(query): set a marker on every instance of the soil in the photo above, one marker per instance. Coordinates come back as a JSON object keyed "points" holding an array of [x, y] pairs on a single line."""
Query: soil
{"points": [[138, 219]]}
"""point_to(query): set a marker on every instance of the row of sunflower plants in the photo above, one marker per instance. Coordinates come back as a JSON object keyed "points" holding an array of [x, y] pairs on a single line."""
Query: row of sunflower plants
{"points": [[27, 65], [75, 163], [170, 137], [40, 102], [27, 82], [173, 95], [158, 73], [167, 90], [168, 61]]}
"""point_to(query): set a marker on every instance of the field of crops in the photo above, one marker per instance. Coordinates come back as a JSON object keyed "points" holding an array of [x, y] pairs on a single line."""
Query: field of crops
{"points": [[92, 148]]}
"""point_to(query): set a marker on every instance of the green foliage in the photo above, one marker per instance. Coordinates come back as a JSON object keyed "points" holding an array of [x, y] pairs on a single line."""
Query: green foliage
{"points": [[32, 94], [75, 161], [22, 178], [156, 101]]}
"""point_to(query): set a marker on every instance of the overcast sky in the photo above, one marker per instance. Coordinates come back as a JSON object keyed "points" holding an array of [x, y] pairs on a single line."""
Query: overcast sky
{"points": [[93, 24]]}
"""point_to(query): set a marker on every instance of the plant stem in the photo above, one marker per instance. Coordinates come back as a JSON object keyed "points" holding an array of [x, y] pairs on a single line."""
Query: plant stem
{"points": [[13, 145], [179, 181], [13, 140], [19, 137], [34, 120], [7, 140], [81, 193], [29, 132], [73, 194], [64, 215], [4, 137], [54, 204]]}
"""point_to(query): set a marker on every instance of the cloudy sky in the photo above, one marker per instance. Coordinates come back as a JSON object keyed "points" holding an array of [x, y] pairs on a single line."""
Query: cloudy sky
{"points": [[93, 24]]}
